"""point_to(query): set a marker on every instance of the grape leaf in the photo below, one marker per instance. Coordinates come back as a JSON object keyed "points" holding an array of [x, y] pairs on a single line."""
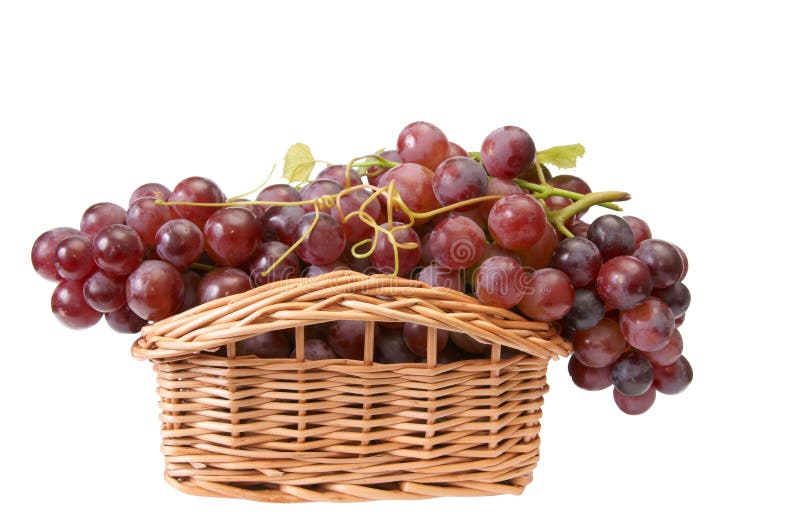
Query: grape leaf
{"points": [[561, 156], [298, 163]]}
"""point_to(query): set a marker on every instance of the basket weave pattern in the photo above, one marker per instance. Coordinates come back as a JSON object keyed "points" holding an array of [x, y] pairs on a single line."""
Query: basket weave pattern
{"points": [[292, 430]]}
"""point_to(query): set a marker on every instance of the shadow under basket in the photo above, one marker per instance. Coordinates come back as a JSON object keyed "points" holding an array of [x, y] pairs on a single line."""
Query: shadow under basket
{"points": [[294, 430]]}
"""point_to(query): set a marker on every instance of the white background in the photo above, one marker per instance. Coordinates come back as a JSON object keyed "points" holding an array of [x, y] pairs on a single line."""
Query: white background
{"points": [[690, 106]]}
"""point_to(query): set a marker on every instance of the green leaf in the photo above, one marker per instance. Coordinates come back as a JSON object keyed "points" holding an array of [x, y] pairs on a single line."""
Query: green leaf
{"points": [[298, 163], [561, 156]]}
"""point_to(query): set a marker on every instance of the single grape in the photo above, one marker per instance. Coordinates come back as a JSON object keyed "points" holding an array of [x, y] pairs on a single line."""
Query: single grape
{"points": [[414, 184], [517, 221], [648, 326], [532, 174], [316, 271], [578, 228], [549, 296], [195, 190], [391, 348], [336, 172], [280, 192], [104, 293], [571, 183], [318, 330], [267, 254], [663, 260], [669, 353], [674, 378], [356, 264], [101, 215], [150, 190], [154, 290], [317, 349], [635, 404], [272, 344], [435, 275], [498, 187], [592, 379], [145, 217], [641, 231], [587, 310], [507, 152], [232, 235], [679, 320], [324, 243], [601, 345], [374, 173], [459, 179], [579, 258], [73, 257], [500, 282], [416, 338], [125, 321], [457, 242], [455, 150], [256, 210], [222, 282], [383, 259], [469, 344], [492, 250], [612, 235], [346, 337], [117, 249], [555, 203], [180, 242], [624, 282], [422, 143], [70, 308], [44, 249], [685, 261], [279, 222], [355, 230], [317, 189], [191, 282], [540, 254], [677, 297], [632, 374]]}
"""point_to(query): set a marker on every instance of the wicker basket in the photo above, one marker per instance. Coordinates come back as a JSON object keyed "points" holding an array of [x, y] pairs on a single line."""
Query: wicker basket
{"points": [[291, 430]]}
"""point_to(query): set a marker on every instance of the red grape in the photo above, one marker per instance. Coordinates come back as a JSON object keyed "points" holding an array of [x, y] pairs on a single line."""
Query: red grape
{"points": [[624, 282], [663, 260], [677, 298], [101, 215], [317, 349], [635, 404], [571, 183], [117, 249], [612, 235], [222, 282], [457, 242], [416, 338], [179, 242], [579, 258], [517, 221], [266, 254], [498, 187], [44, 249], [316, 271], [125, 321], [422, 143], [374, 173], [507, 152], [549, 296], [70, 308], [587, 310], [195, 190], [632, 374], [641, 231], [674, 378], [317, 189], [434, 275], [336, 173], [145, 217], [648, 326], [669, 353], [599, 346], [383, 259], [469, 344], [355, 230], [346, 337], [499, 282], [73, 257], [104, 293], [391, 348], [454, 150], [232, 235], [154, 290], [191, 282], [459, 179], [272, 344], [540, 254], [414, 184], [685, 261], [280, 222], [150, 190], [324, 243], [592, 379]]}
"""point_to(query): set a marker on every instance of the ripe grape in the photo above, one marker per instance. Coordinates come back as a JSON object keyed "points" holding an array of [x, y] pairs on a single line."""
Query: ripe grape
{"points": [[540, 254], [601, 345], [632, 374], [663, 260], [70, 308], [612, 235], [498, 187], [422, 143], [517, 221], [674, 378], [677, 298], [324, 243], [222, 282], [648, 326], [191, 282], [355, 230], [279, 192], [579, 258], [125, 321], [469, 344], [179, 242], [454, 150], [374, 173], [624, 282], [459, 179], [571, 183], [154, 290], [457, 242], [592, 379], [578, 228], [280, 222], [150, 190], [549, 296], [414, 184], [145, 217], [555, 203], [316, 271], [73, 257], [317, 349], [416, 338], [635, 404], [641, 231], [336, 172], [587, 310], [272, 344], [195, 190], [104, 293], [391, 348], [232, 235], [101, 215], [383, 259], [346, 337], [507, 152], [44, 249], [266, 254], [117, 249], [500, 282], [669, 353], [435, 275], [685, 261], [317, 189]]}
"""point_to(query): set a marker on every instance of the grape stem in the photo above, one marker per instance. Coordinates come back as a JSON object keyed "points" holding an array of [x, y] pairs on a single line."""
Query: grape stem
{"points": [[558, 218], [542, 191]]}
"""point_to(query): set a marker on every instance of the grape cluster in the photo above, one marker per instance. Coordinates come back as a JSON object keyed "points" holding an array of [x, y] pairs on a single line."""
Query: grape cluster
{"points": [[494, 224]]}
